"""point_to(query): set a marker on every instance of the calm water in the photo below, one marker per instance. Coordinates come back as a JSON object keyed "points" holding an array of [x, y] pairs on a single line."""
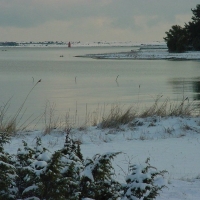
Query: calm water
{"points": [[80, 85]]}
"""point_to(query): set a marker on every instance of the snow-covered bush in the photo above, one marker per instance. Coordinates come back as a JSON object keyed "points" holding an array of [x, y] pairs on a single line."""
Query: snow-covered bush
{"points": [[37, 174], [52, 185], [97, 178], [7, 172], [55, 176], [26, 177], [72, 161], [144, 182]]}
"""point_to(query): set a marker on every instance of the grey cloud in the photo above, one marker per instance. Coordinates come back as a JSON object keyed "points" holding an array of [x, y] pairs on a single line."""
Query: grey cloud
{"points": [[23, 13], [165, 11]]}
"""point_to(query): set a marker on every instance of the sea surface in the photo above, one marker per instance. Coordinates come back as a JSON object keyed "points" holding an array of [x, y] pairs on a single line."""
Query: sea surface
{"points": [[73, 88]]}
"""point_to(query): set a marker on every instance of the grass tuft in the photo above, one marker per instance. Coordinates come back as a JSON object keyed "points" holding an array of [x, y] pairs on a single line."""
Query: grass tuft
{"points": [[118, 116], [11, 125]]}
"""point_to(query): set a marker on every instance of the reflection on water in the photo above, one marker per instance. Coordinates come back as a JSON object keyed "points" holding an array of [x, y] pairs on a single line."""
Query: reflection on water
{"points": [[196, 89], [189, 86]]}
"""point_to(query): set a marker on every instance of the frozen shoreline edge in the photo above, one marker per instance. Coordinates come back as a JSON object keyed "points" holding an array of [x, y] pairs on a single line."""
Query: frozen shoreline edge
{"points": [[169, 59], [146, 55]]}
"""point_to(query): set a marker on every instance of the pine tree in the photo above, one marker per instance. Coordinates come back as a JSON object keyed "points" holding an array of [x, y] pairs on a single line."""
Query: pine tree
{"points": [[60, 178], [26, 177], [141, 183], [46, 176], [180, 39], [196, 13], [176, 39], [8, 188], [52, 185], [97, 178], [72, 161], [37, 165]]}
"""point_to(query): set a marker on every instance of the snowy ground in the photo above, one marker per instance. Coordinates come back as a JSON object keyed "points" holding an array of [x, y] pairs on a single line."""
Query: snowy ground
{"points": [[148, 54], [172, 144]]}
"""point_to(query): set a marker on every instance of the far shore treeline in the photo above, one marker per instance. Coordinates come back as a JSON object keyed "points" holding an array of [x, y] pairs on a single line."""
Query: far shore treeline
{"points": [[180, 39]]}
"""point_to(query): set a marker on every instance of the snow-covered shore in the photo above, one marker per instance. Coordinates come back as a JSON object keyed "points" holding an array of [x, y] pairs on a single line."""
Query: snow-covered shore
{"points": [[147, 54], [171, 143]]}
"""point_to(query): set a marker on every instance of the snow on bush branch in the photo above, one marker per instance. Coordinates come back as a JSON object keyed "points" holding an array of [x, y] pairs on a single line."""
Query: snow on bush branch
{"points": [[36, 173]]}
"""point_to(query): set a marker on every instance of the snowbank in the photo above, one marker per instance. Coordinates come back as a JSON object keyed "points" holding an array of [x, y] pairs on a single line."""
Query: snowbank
{"points": [[172, 144]]}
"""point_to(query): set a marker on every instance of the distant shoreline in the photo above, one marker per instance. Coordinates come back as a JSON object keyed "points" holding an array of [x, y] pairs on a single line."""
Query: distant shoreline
{"points": [[83, 44], [148, 51], [150, 54]]}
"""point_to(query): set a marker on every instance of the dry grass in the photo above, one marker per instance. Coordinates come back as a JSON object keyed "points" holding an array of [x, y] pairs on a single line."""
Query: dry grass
{"points": [[12, 124], [50, 120], [118, 116], [168, 108], [7, 125], [103, 116]]}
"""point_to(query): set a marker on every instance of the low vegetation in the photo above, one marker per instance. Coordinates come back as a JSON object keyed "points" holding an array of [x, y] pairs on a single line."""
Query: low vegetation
{"points": [[111, 117], [163, 108], [36, 174], [12, 124]]}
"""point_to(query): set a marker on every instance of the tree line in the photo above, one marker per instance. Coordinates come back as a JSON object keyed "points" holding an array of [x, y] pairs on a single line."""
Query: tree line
{"points": [[180, 39]]}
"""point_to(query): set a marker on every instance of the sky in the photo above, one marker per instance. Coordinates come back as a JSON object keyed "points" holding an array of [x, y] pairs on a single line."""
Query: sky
{"points": [[91, 20]]}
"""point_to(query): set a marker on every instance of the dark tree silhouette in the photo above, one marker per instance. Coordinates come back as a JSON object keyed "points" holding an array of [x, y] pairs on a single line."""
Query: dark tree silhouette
{"points": [[177, 39], [180, 39]]}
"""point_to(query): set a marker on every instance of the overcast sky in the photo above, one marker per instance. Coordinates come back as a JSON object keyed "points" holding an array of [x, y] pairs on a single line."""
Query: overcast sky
{"points": [[91, 20]]}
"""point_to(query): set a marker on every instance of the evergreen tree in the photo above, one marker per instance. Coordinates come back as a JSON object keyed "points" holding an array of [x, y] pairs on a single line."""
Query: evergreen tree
{"points": [[26, 177], [177, 39], [196, 13], [40, 158], [70, 146], [8, 188], [141, 183], [180, 39], [193, 29], [45, 176], [52, 185], [72, 161], [60, 178], [97, 178]]}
